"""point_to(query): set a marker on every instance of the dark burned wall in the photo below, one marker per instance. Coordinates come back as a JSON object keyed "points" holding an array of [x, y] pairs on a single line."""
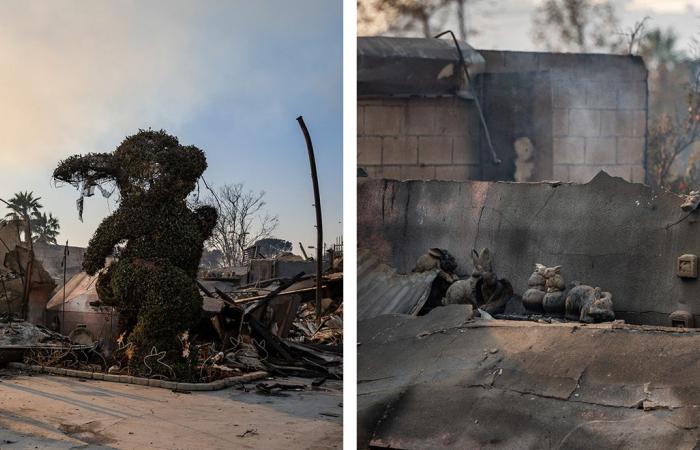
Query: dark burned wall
{"points": [[516, 105], [608, 233]]}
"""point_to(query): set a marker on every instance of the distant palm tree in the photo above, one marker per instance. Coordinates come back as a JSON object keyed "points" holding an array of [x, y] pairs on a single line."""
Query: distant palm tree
{"points": [[23, 205], [44, 228]]}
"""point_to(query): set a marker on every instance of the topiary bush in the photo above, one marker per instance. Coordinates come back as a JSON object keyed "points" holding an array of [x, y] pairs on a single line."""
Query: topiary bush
{"points": [[152, 284]]}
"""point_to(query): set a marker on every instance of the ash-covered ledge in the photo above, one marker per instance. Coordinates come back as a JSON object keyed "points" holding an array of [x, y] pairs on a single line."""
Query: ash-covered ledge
{"points": [[152, 382], [608, 232]]}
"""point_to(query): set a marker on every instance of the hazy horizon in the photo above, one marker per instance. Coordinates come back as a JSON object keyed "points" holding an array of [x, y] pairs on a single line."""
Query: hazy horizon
{"points": [[228, 77]]}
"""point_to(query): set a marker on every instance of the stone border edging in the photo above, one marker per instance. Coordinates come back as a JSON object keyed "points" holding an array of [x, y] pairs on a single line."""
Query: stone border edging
{"points": [[128, 379]]}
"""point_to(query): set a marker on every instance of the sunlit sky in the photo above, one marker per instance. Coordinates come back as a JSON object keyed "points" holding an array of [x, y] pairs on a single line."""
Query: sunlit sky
{"points": [[227, 76], [507, 24]]}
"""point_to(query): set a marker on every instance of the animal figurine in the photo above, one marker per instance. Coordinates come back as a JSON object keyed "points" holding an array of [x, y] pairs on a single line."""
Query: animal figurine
{"points": [[532, 298], [589, 305], [524, 159], [438, 259], [492, 293], [153, 282], [464, 291], [554, 299]]}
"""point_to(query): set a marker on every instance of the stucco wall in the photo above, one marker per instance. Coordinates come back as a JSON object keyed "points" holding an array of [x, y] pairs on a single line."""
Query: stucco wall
{"points": [[608, 233]]}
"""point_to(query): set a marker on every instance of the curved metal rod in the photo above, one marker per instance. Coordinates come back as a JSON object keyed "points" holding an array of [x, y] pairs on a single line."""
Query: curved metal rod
{"points": [[496, 160]]}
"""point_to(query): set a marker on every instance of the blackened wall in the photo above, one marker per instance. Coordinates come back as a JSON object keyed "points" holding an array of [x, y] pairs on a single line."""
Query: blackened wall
{"points": [[608, 233]]}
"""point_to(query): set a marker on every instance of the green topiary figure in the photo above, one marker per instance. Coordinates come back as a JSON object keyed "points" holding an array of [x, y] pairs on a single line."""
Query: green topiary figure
{"points": [[152, 284]]}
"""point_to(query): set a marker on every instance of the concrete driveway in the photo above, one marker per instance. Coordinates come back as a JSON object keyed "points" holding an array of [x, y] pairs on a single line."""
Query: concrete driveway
{"points": [[51, 412]]}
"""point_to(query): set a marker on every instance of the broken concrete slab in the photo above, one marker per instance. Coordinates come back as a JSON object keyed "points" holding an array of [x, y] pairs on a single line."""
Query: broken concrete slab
{"points": [[434, 382]]}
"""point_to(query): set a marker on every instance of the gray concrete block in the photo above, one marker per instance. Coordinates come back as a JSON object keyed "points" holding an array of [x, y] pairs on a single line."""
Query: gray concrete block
{"points": [[584, 122], [128, 379], [420, 119], [383, 120], [111, 377], [560, 122], [369, 151], [465, 150], [601, 95], [629, 123], [568, 94], [98, 376], [638, 174], [455, 117], [360, 120], [568, 150], [189, 386], [583, 174], [391, 172], [632, 95], [457, 172], [600, 151], [622, 171], [219, 384], [168, 384], [630, 150], [417, 172], [373, 171], [141, 381], [560, 172], [400, 150], [434, 150]]}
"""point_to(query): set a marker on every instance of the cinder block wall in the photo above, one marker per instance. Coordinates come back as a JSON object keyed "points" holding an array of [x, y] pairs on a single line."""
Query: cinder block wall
{"points": [[597, 110], [418, 138]]}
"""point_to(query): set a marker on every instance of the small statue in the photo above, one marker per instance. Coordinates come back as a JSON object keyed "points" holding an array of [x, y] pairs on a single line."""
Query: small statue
{"points": [[589, 305], [492, 293], [554, 299], [524, 159], [691, 201], [463, 292], [532, 299], [438, 259]]}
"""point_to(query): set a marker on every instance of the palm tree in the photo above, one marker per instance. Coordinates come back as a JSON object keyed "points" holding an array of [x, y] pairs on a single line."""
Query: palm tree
{"points": [[22, 205], [44, 228]]}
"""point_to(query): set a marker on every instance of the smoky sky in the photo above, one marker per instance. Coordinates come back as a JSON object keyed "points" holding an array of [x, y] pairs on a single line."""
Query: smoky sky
{"points": [[227, 76]]}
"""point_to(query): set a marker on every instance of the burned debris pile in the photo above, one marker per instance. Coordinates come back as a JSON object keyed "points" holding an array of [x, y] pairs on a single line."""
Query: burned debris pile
{"points": [[274, 325], [142, 308], [163, 321]]}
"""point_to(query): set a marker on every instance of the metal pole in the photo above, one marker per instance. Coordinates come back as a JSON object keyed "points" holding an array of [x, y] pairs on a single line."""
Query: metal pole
{"points": [[496, 160], [63, 304], [319, 219]]}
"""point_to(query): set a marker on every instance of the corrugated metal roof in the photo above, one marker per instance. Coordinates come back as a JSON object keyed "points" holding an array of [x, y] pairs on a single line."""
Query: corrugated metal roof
{"points": [[381, 290]]}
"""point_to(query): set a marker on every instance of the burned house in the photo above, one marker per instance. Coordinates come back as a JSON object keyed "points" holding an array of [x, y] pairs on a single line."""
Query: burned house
{"points": [[23, 275], [445, 377]]}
